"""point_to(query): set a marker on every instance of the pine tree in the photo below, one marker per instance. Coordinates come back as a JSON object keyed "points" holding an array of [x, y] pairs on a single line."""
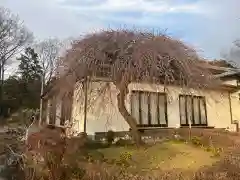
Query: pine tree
{"points": [[30, 78], [29, 67]]}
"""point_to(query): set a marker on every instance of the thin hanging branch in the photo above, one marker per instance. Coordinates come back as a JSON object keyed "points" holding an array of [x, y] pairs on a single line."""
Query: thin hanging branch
{"points": [[125, 56]]}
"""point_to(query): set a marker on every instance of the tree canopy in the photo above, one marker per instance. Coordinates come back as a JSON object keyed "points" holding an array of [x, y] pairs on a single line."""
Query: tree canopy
{"points": [[29, 67], [135, 56], [126, 56], [13, 38], [23, 89]]}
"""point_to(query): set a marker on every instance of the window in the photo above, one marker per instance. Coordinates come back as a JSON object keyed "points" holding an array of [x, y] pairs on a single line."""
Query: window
{"points": [[103, 71], [52, 111], [192, 109], [149, 108], [66, 108]]}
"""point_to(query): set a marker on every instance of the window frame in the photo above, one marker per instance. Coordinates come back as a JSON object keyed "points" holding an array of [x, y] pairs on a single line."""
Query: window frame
{"points": [[149, 110], [52, 111], [203, 98]]}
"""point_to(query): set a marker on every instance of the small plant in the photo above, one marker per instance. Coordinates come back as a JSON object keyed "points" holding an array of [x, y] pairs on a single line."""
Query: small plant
{"points": [[74, 171], [95, 155], [110, 137], [216, 151], [125, 157], [23, 116], [196, 141]]}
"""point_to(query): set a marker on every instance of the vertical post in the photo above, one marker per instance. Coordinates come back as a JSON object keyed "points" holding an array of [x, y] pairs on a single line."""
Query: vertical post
{"points": [[41, 101], [48, 113], [190, 119], [85, 86], [58, 111], [190, 128], [230, 110], [230, 106], [1, 89]]}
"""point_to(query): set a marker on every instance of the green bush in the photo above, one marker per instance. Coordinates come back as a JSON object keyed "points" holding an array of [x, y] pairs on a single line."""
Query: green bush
{"points": [[110, 137], [123, 142], [23, 116], [125, 158], [95, 156], [196, 141], [73, 171], [93, 144], [216, 151]]}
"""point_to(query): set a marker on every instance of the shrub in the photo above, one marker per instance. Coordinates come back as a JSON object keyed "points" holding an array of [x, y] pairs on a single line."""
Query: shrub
{"points": [[215, 150], [196, 141], [93, 144], [125, 157], [123, 142], [23, 116], [72, 171], [95, 155], [110, 137]]}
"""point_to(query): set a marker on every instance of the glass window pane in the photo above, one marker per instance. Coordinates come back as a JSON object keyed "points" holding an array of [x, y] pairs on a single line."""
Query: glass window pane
{"points": [[196, 110], [153, 108], [189, 109], [203, 111], [144, 107], [182, 107], [53, 111], [135, 106], [162, 111]]}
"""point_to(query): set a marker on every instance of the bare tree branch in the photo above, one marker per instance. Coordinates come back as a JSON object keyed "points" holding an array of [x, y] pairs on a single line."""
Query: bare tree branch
{"points": [[13, 38], [48, 52], [13, 35]]}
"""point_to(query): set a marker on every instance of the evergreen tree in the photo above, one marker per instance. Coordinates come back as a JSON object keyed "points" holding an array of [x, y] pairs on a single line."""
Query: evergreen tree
{"points": [[12, 96], [29, 67], [30, 78]]}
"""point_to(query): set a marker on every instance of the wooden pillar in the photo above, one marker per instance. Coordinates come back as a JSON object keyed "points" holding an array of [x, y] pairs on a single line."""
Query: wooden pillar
{"points": [[58, 111], [52, 119], [85, 88], [48, 108]]}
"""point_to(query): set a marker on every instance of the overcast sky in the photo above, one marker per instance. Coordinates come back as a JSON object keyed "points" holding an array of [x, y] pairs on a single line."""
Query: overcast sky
{"points": [[208, 25]]}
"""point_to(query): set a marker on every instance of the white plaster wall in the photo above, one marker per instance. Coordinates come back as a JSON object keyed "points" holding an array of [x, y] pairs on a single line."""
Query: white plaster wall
{"points": [[77, 113], [235, 106], [103, 114], [217, 102], [218, 109]]}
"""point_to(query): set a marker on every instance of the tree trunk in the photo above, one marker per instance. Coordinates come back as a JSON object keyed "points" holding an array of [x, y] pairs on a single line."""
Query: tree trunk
{"points": [[1, 103], [1, 88], [41, 102], [127, 116]]}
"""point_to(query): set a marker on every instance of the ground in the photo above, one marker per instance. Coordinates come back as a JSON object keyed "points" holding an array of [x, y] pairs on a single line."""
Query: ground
{"points": [[167, 156], [206, 155]]}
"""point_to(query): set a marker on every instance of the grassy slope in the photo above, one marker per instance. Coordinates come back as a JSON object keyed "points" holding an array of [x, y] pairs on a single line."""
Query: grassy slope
{"points": [[165, 156], [170, 155]]}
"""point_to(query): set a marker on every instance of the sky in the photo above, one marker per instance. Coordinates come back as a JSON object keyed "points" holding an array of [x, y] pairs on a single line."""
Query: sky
{"points": [[210, 26]]}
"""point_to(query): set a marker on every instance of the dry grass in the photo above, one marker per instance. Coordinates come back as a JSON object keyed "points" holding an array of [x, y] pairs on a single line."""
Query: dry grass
{"points": [[171, 160], [163, 156]]}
